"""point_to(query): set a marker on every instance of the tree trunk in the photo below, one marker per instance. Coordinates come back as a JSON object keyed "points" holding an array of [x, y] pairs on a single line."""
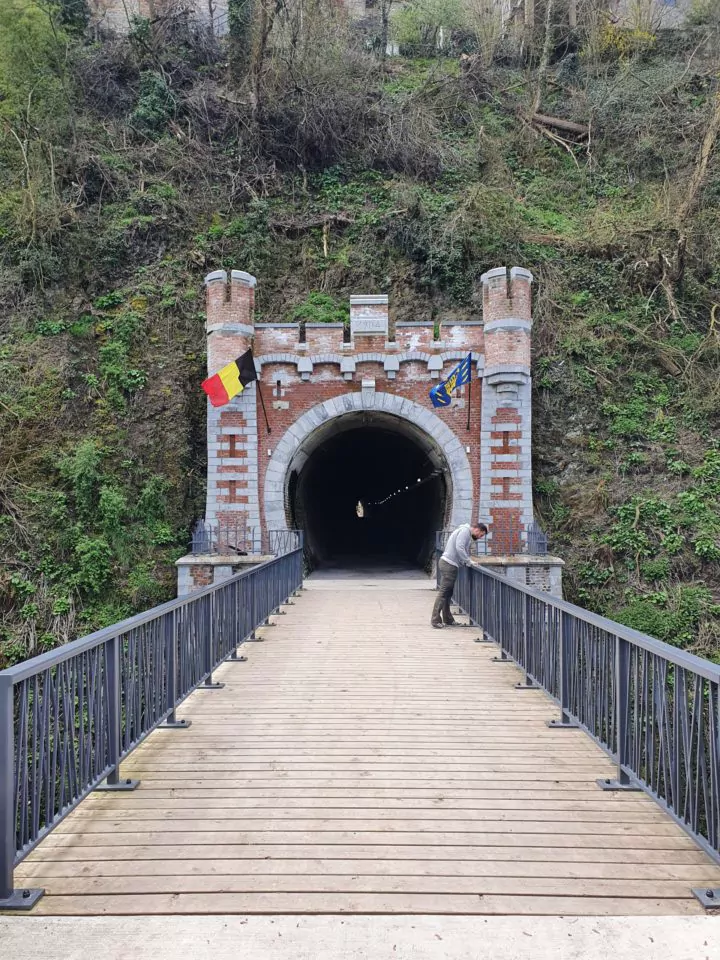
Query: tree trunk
{"points": [[705, 153], [544, 58], [529, 14], [385, 6]]}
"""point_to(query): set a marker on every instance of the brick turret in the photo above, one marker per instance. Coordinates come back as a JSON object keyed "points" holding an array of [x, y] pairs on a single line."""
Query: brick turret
{"points": [[505, 457], [232, 487]]}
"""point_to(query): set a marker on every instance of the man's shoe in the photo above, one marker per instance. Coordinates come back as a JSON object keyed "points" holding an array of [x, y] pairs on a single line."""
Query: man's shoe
{"points": [[438, 626]]}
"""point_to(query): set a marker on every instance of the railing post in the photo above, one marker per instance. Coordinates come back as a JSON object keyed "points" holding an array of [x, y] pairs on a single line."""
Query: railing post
{"points": [[210, 684], [171, 644], [112, 667], [10, 898], [565, 722], [622, 705]]}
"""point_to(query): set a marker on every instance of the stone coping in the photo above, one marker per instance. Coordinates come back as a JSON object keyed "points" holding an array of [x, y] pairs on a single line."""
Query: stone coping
{"points": [[219, 560], [518, 560]]}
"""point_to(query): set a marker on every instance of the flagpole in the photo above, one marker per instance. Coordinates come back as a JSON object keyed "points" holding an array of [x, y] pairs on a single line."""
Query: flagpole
{"points": [[469, 397], [262, 402]]}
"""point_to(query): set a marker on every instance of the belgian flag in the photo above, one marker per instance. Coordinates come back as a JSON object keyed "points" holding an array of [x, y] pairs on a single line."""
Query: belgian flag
{"points": [[231, 380]]}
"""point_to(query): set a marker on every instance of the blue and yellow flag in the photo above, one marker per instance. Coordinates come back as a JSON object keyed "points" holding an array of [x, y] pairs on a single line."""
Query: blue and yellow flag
{"points": [[440, 394]]}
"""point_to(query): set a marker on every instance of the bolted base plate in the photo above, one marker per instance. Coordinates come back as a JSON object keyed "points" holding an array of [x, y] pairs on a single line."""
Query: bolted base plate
{"points": [[23, 899], [121, 786], [562, 725], [236, 659], [210, 686], [531, 685], [502, 660], [617, 785], [483, 640], [175, 725], [709, 897]]}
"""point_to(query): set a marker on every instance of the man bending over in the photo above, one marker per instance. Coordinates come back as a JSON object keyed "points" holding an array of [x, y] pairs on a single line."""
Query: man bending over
{"points": [[456, 555]]}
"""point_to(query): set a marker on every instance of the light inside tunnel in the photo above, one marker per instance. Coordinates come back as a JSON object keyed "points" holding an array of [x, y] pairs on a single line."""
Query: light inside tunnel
{"points": [[368, 489]]}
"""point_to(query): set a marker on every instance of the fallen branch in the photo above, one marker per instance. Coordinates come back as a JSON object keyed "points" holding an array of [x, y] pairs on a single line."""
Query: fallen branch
{"points": [[296, 227], [568, 126], [563, 143]]}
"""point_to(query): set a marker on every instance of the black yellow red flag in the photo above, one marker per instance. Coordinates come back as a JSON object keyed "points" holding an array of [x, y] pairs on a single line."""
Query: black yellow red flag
{"points": [[231, 380]]}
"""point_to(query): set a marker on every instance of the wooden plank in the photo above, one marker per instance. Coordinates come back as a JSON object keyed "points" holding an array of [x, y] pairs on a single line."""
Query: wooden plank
{"points": [[79, 851], [627, 839], [464, 827], [348, 883], [329, 778], [619, 804], [691, 874], [462, 786], [361, 903], [234, 816]]}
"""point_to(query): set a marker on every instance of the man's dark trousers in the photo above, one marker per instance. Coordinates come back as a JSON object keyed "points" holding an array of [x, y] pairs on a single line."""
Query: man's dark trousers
{"points": [[448, 576]]}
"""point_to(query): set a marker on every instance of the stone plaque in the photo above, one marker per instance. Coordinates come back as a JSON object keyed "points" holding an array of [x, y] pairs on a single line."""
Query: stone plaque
{"points": [[369, 315]]}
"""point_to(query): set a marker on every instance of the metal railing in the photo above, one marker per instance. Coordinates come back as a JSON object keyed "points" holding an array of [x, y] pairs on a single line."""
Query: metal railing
{"points": [[237, 538], [653, 708], [69, 717]]}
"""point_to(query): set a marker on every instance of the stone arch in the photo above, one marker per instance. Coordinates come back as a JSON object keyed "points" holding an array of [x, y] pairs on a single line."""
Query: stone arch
{"points": [[438, 436]]}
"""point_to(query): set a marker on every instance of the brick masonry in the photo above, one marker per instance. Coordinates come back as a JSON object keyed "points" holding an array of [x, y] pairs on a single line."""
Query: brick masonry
{"points": [[307, 384]]}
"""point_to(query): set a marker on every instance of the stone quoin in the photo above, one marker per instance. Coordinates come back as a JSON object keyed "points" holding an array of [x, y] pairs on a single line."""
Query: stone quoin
{"points": [[315, 381]]}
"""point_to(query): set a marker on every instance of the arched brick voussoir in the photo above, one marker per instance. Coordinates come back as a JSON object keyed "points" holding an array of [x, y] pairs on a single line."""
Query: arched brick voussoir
{"points": [[438, 436], [268, 358], [413, 355]]}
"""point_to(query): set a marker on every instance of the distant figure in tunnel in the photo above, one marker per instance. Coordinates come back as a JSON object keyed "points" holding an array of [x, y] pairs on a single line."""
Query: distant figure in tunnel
{"points": [[456, 555]]}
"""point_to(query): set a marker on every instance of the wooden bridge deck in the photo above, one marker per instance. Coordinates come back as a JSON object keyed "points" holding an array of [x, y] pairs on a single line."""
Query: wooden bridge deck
{"points": [[362, 762]]}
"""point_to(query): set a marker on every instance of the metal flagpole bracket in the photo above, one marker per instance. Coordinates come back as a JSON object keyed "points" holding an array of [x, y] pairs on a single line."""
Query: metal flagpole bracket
{"points": [[709, 897], [121, 786], [22, 899]]}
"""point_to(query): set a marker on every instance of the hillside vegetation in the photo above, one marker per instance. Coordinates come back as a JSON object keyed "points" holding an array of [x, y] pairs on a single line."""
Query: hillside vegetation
{"points": [[131, 166]]}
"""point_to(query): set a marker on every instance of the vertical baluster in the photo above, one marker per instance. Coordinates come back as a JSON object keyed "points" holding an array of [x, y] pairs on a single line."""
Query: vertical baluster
{"points": [[170, 625], [524, 604], [622, 710], [566, 623], [211, 633]]}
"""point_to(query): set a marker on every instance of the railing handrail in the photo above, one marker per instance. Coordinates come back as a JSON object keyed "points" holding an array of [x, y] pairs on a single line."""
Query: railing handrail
{"points": [[25, 669], [681, 658]]}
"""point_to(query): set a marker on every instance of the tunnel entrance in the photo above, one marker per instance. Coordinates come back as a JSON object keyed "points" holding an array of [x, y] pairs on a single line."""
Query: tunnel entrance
{"points": [[368, 490]]}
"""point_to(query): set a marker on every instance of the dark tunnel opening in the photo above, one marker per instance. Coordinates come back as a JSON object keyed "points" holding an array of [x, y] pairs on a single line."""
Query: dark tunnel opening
{"points": [[398, 480]]}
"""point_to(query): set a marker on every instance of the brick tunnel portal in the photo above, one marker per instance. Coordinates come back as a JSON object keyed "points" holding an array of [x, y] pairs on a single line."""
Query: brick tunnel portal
{"points": [[368, 489]]}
